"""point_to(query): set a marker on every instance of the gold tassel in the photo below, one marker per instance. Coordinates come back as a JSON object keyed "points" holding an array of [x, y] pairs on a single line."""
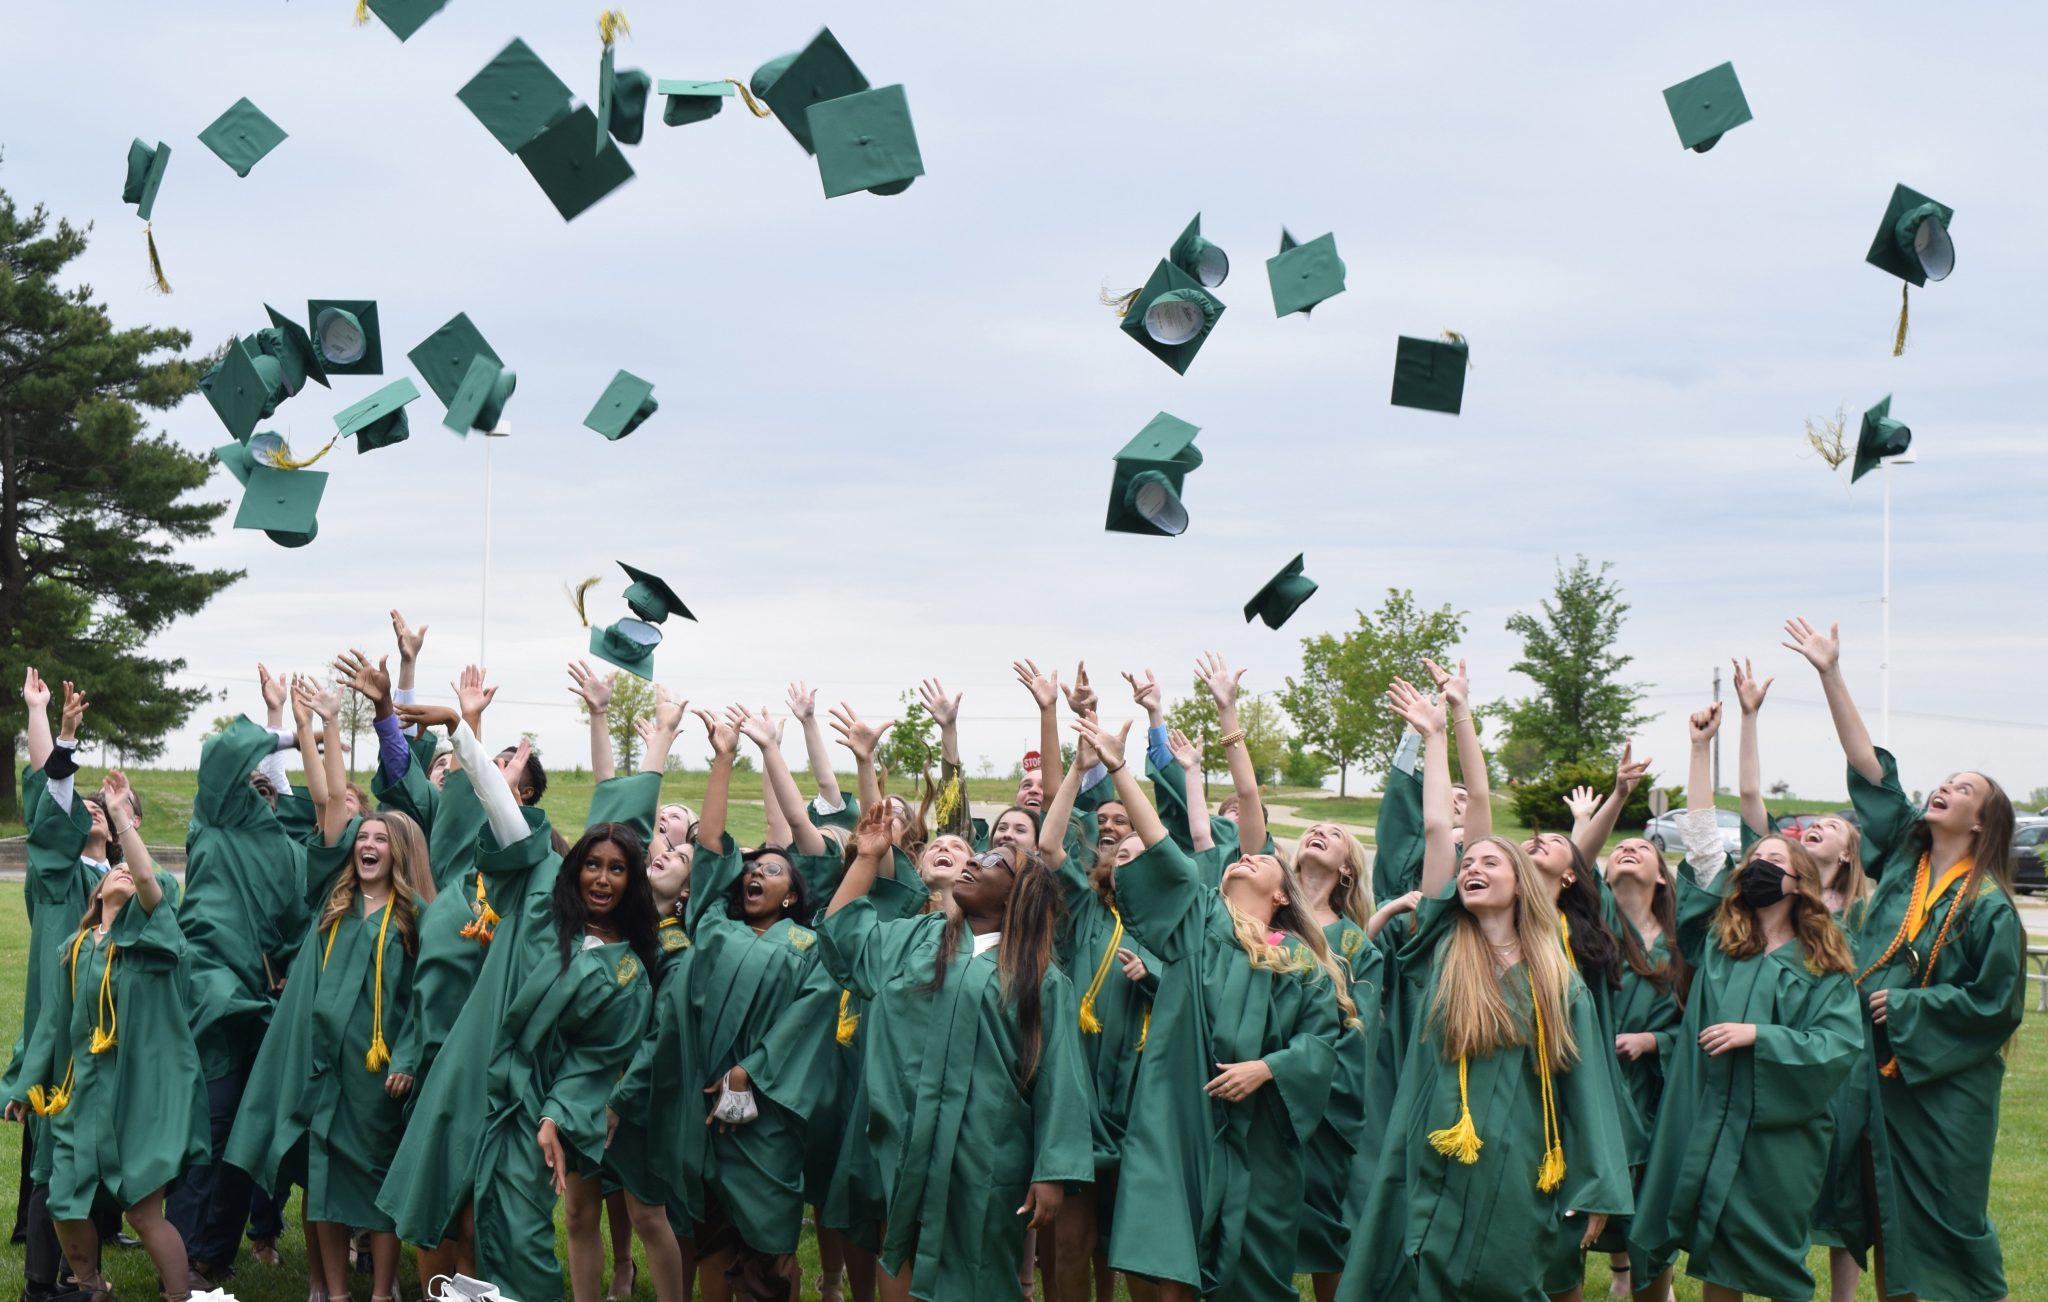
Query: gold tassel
{"points": [[848, 1023], [1905, 293], [49, 1103], [1090, 1023], [379, 1056], [156, 264], [949, 801], [1122, 302], [107, 1022], [1551, 1174], [1144, 1029], [1462, 1140], [610, 23], [754, 106], [577, 595], [284, 460], [362, 13]]}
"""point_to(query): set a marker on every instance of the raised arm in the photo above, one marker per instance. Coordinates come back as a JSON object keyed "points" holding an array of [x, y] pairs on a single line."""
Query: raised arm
{"points": [[777, 782], [1052, 823], [871, 849], [861, 738], [1824, 652], [1109, 748], [955, 814], [409, 640], [472, 697], [1045, 694], [120, 805], [373, 683], [1701, 827], [1749, 767], [1244, 778], [1456, 690], [305, 693], [803, 707], [275, 689], [658, 735], [327, 762], [1592, 836], [725, 742], [1188, 754], [596, 694], [1428, 718], [35, 695]]}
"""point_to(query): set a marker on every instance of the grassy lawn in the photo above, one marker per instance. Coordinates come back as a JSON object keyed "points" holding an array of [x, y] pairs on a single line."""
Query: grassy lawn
{"points": [[2021, 1215]]}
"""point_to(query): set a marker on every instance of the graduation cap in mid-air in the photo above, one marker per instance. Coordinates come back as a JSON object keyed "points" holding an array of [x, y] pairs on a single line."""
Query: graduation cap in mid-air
{"points": [[862, 137], [1706, 107], [1913, 244], [346, 335], [1282, 595], [1429, 374], [1144, 493], [241, 136], [1304, 275], [145, 177], [650, 597], [626, 402], [1880, 437]]}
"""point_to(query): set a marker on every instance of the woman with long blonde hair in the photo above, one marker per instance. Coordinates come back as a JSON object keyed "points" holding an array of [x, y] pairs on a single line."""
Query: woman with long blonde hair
{"points": [[1771, 1031], [325, 1107], [1506, 1098], [1211, 1182]]}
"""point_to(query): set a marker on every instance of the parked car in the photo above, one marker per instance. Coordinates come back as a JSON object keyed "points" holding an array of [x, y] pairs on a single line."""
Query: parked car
{"points": [[1664, 832], [2028, 874]]}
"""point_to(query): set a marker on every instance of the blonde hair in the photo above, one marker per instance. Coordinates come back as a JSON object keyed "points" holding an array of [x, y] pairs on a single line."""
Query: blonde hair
{"points": [[1851, 882], [1291, 919], [1469, 1013], [407, 857]]}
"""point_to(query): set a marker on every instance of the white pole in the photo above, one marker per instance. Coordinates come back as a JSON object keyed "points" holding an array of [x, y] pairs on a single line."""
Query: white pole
{"points": [[1884, 601], [483, 636]]}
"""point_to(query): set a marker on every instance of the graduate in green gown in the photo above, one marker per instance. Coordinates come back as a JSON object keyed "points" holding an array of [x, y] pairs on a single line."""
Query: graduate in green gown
{"points": [[975, 1086], [1503, 1136], [1771, 1030], [113, 1068], [515, 1107], [1940, 965], [1238, 1062], [325, 1104]]}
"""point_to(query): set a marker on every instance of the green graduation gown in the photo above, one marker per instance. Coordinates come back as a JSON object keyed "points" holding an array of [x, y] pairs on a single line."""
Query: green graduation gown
{"points": [[1340, 1158], [1210, 1193], [1934, 1125], [445, 970], [58, 890], [1741, 1150], [632, 1157], [1842, 1219], [1642, 1007], [136, 1115], [315, 1113], [244, 910], [959, 1138], [1437, 1228], [1091, 934]]}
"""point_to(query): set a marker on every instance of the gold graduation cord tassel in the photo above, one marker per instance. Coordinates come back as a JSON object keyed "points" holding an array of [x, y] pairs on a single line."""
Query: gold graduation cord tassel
{"points": [[1144, 1029], [284, 460], [379, 1056], [1550, 1173], [578, 596], [1462, 1140], [1905, 292], [156, 264], [848, 1022], [107, 1022], [949, 801], [362, 13], [48, 1103], [1564, 935], [610, 23], [485, 923], [1090, 1023]]}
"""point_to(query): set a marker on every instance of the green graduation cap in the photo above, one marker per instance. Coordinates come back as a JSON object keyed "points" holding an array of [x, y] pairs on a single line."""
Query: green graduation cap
{"points": [[404, 17], [516, 96], [243, 387], [1706, 106], [1172, 316], [285, 504], [346, 336], [572, 172], [1913, 244], [864, 141], [627, 401], [791, 84], [651, 598], [241, 136], [1282, 595], [238, 460], [693, 101], [1303, 275], [628, 644], [379, 420], [288, 342], [1206, 262], [621, 101], [1144, 495], [145, 174], [1880, 437], [480, 402], [1430, 373], [443, 358]]}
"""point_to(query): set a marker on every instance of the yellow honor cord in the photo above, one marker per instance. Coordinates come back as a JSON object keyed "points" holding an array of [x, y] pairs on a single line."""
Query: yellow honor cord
{"points": [[1090, 1023], [1564, 934], [1905, 294], [107, 1018], [379, 1055], [1462, 1140], [47, 1103], [1918, 909], [1144, 1029], [1550, 1173], [848, 1022]]}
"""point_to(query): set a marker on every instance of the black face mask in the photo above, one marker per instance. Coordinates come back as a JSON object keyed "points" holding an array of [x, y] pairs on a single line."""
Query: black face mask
{"points": [[1762, 884]]}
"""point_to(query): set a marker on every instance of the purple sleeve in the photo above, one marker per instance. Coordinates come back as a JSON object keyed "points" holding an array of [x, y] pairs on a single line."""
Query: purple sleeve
{"points": [[394, 757]]}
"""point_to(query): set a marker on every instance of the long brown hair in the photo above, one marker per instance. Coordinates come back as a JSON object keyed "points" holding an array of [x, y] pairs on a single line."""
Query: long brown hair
{"points": [[1031, 921], [1673, 976], [1741, 936], [1990, 848], [348, 885], [1469, 1012]]}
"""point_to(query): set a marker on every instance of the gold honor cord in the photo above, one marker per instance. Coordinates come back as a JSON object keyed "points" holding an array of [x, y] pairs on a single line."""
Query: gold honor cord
{"points": [[848, 1023], [156, 264], [1905, 294], [1090, 1023]]}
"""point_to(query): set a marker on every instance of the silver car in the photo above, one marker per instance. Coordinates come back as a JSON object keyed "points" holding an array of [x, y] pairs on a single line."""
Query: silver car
{"points": [[1668, 835]]}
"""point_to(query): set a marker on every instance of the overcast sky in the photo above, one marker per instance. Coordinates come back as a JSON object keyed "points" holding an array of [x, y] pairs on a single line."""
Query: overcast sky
{"points": [[886, 424]]}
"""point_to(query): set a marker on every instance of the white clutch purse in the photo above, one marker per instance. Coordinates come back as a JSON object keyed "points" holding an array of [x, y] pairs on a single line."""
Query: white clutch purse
{"points": [[735, 1107]]}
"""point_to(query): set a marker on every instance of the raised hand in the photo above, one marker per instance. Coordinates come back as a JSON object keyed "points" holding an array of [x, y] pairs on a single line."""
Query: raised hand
{"points": [[1456, 689], [857, 736], [1822, 650], [724, 738], [1423, 715], [754, 725], [74, 713], [472, 696], [114, 789], [274, 689], [668, 710], [373, 682], [944, 709], [304, 693], [513, 766], [1628, 772], [326, 703], [416, 714], [595, 691], [1216, 676], [1186, 753], [1081, 696], [1703, 724], [1748, 691], [803, 702], [1109, 746], [409, 639], [35, 693], [1582, 802], [1045, 691], [872, 835]]}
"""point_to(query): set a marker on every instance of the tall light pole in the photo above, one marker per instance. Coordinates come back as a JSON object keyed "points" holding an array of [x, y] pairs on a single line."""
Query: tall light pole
{"points": [[483, 623], [1884, 601]]}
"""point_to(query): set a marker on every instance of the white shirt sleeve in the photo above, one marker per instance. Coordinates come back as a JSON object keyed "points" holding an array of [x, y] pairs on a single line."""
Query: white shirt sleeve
{"points": [[406, 696], [825, 808], [61, 789], [501, 807], [272, 765], [1701, 829]]}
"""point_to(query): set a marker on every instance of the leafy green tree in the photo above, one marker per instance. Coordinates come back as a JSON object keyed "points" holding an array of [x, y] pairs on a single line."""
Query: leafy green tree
{"points": [[912, 746], [92, 509], [1303, 767], [1336, 703], [1265, 735], [1195, 715], [1582, 710], [632, 701], [357, 717]]}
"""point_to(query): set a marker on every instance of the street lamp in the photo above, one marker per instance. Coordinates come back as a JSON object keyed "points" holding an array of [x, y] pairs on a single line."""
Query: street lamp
{"points": [[1884, 601], [503, 429]]}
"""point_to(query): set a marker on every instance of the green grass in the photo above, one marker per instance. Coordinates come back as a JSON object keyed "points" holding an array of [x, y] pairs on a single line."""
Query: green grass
{"points": [[2021, 1215]]}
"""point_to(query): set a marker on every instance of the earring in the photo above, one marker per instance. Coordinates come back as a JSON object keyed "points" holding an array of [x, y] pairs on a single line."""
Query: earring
{"points": [[1571, 879], [1344, 880]]}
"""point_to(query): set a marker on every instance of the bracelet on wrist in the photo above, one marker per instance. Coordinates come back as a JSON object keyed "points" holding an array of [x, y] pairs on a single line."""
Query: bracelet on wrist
{"points": [[1118, 767], [1231, 738], [1456, 722]]}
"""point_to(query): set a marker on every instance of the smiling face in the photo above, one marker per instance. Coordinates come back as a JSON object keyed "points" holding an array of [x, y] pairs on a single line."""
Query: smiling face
{"points": [[1013, 828], [116, 889], [373, 853], [1635, 860], [1957, 803], [438, 771], [1128, 849], [1325, 847], [983, 887], [668, 876], [100, 831], [1112, 822], [941, 862], [1552, 855], [1256, 885], [1827, 840], [1031, 790], [1486, 878], [602, 880], [676, 824], [765, 888]]}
